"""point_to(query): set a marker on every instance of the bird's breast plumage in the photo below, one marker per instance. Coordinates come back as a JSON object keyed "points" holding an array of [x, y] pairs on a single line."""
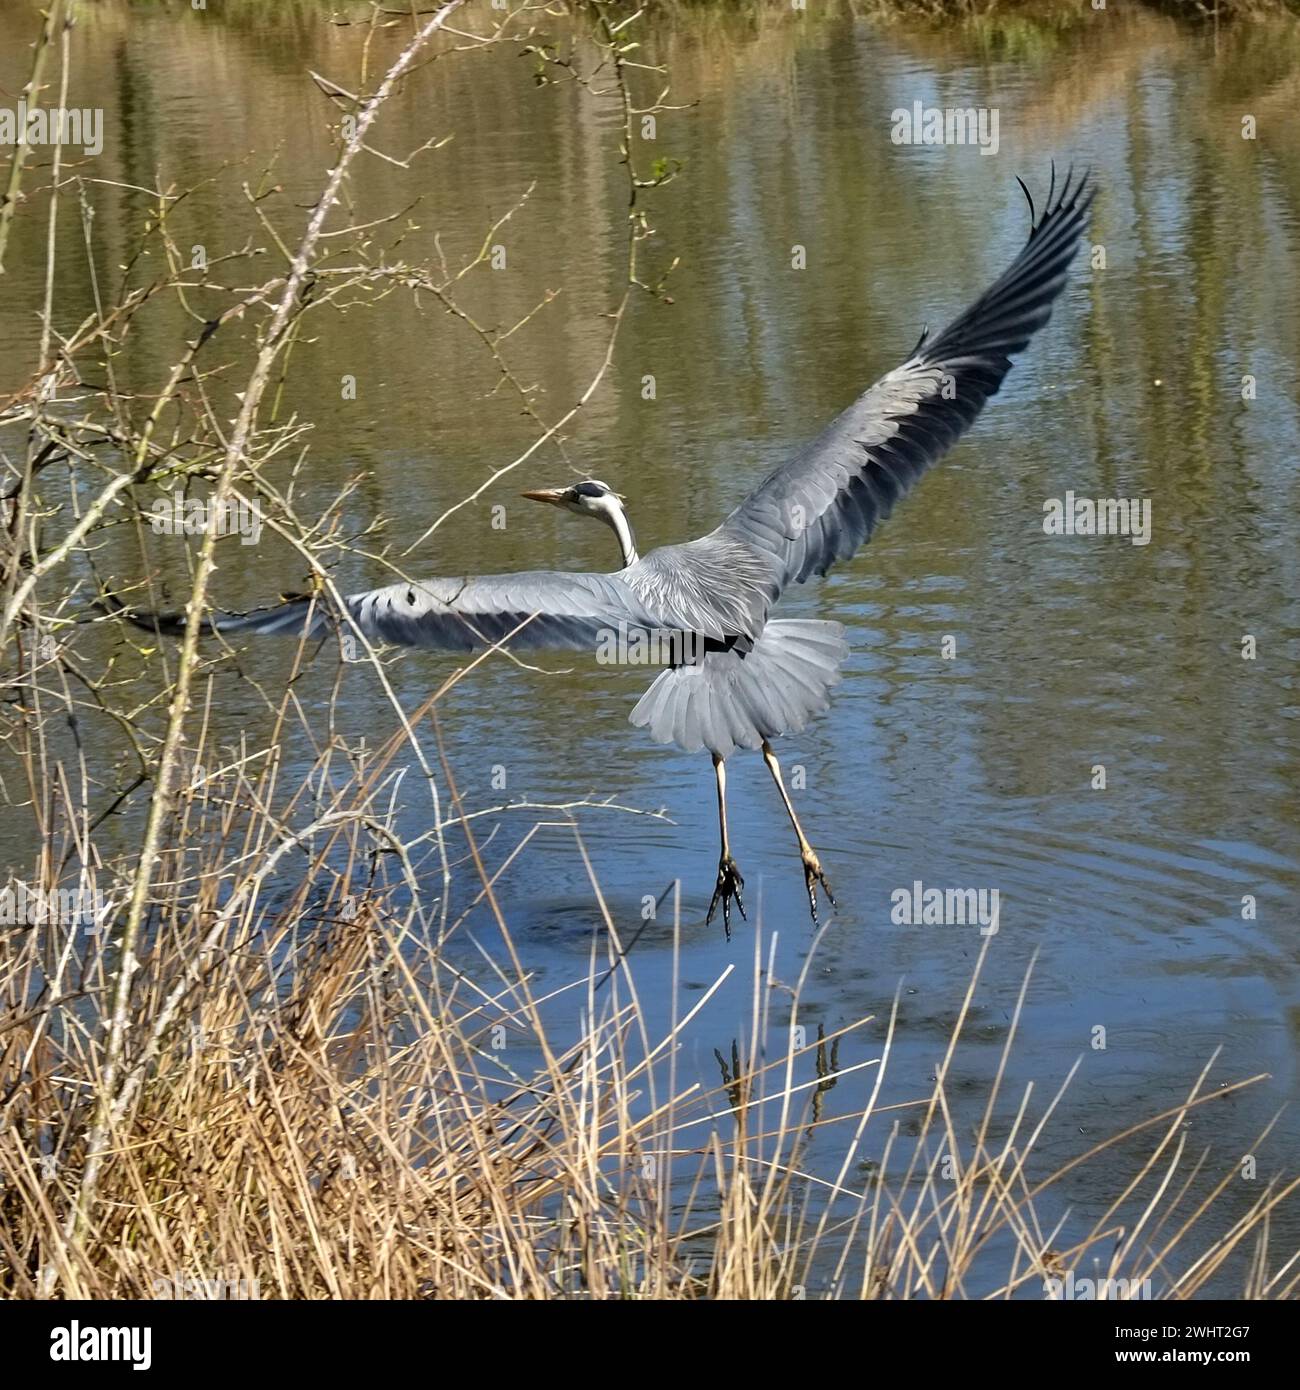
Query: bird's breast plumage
{"points": [[713, 586]]}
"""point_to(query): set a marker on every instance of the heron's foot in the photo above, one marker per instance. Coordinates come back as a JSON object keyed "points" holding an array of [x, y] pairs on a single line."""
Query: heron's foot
{"points": [[728, 887], [812, 876]]}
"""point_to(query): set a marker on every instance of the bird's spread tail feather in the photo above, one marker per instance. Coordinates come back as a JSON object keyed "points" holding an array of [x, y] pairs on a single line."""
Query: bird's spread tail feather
{"points": [[733, 700]]}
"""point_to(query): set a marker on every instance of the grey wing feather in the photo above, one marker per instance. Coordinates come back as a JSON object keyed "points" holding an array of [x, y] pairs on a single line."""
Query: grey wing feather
{"points": [[821, 506], [530, 610]]}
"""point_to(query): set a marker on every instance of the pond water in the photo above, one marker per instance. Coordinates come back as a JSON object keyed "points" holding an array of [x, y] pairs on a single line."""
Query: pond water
{"points": [[1070, 653]]}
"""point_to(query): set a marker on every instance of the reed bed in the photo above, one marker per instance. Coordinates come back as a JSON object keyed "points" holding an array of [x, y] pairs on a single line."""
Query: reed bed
{"points": [[320, 1102]]}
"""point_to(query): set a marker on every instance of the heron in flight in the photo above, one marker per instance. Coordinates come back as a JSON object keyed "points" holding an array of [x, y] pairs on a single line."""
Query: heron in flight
{"points": [[750, 677]]}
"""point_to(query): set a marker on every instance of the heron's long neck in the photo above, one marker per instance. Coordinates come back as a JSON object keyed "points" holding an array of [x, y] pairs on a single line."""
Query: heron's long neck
{"points": [[617, 518]]}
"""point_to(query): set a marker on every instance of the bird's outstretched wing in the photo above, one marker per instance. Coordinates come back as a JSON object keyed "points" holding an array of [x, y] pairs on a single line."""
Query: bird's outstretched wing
{"points": [[822, 505], [527, 611]]}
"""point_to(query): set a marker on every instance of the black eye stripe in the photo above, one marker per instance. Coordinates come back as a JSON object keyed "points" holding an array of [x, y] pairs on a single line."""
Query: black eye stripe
{"points": [[589, 490]]}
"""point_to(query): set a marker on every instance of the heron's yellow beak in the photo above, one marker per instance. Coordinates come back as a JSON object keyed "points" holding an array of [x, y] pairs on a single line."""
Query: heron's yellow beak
{"points": [[553, 495]]}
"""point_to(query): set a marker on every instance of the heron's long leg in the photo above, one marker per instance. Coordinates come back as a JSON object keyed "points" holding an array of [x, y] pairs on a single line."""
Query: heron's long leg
{"points": [[812, 869], [729, 880]]}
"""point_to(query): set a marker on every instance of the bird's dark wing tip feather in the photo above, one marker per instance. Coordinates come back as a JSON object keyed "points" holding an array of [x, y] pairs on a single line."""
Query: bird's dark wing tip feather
{"points": [[271, 618], [160, 624], [1063, 204], [848, 479]]}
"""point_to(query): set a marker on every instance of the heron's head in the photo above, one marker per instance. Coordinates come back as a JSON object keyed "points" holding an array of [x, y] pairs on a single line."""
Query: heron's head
{"points": [[591, 497], [588, 498]]}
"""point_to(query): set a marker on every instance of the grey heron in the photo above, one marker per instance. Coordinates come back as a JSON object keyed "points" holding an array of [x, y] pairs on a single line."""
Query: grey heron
{"points": [[753, 677]]}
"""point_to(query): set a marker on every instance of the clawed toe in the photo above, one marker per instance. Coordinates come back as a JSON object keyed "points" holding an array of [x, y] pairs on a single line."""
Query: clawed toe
{"points": [[728, 887], [812, 876]]}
